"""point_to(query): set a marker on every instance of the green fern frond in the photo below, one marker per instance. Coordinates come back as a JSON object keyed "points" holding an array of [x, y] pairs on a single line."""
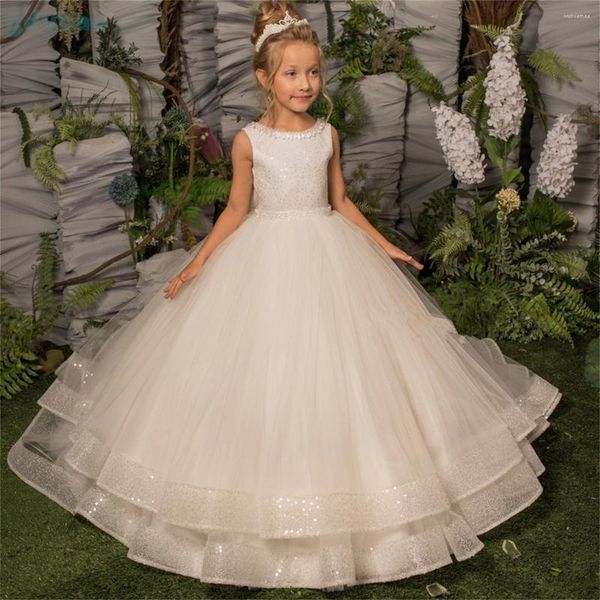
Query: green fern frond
{"points": [[350, 110], [545, 215], [482, 113], [367, 209], [407, 33], [37, 138], [17, 376], [17, 362], [568, 300], [190, 215], [473, 81], [476, 267], [80, 127], [65, 129], [454, 238], [418, 76], [548, 63], [493, 32], [503, 248], [570, 264], [551, 323], [20, 330], [532, 90], [205, 190], [25, 135], [474, 99], [437, 209], [86, 294], [17, 328], [349, 114], [45, 168], [576, 307], [44, 306], [354, 69]]}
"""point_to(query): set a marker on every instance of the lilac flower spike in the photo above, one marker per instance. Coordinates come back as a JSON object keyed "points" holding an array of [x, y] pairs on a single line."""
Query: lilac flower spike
{"points": [[557, 159], [504, 94], [459, 144]]}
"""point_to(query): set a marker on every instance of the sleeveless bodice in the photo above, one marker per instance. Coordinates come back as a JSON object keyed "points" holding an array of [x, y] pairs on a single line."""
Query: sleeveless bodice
{"points": [[290, 169]]}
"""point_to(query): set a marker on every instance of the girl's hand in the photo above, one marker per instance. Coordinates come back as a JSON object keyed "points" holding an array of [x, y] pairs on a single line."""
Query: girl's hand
{"points": [[395, 252], [177, 281]]}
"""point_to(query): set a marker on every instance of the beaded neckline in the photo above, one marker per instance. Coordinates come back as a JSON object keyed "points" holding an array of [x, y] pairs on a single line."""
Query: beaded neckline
{"points": [[312, 130]]}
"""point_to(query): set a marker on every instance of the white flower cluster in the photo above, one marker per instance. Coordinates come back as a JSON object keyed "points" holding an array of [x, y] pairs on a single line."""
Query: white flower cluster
{"points": [[459, 144], [504, 94], [557, 159]]}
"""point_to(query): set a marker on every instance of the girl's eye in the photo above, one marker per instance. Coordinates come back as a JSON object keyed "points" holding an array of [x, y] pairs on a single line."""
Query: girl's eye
{"points": [[292, 73]]}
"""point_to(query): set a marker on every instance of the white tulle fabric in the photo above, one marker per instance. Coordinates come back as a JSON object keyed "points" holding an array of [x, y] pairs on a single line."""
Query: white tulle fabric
{"points": [[301, 414]]}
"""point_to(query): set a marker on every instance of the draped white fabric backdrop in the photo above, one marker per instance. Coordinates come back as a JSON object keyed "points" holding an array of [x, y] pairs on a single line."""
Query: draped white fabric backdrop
{"points": [[404, 156]]}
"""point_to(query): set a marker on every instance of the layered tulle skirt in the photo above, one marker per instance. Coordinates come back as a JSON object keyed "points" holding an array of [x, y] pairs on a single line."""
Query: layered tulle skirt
{"points": [[300, 414]]}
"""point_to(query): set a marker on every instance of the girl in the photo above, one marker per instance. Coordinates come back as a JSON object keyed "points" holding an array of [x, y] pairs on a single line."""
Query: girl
{"points": [[302, 414], [291, 73]]}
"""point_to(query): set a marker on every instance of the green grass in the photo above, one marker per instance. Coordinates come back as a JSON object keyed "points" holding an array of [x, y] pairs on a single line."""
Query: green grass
{"points": [[48, 553]]}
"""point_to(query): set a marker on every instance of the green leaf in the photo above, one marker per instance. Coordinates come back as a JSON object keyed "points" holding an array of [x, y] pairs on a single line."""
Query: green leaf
{"points": [[510, 548], [512, 175], [512, 143], [436, 589], [495, 150]]}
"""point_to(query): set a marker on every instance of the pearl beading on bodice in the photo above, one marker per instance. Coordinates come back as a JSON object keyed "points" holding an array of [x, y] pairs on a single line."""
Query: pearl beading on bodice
{"points": [[318, 126], [290, 170]]}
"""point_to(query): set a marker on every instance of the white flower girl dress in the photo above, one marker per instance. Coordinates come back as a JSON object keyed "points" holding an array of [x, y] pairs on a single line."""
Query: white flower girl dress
{"points": [[300, 414]]}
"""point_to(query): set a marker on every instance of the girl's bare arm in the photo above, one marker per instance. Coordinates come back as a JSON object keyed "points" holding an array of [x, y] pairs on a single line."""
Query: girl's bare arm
{"points": [[232, 216], [340, 202]]}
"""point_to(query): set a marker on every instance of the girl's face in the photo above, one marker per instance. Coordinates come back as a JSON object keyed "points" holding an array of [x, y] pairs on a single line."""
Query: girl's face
{"points": [[297, 81]]}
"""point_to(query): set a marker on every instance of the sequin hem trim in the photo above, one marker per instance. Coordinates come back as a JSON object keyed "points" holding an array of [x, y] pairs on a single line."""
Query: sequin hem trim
{"points": [[240, 559], [465, 482]]}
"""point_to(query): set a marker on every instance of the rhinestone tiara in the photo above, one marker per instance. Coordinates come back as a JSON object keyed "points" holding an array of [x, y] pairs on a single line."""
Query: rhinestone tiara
{"points": [[272, 28]]}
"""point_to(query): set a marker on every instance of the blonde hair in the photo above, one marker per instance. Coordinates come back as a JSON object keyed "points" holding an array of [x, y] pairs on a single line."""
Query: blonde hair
{"points": [[270, 54]]}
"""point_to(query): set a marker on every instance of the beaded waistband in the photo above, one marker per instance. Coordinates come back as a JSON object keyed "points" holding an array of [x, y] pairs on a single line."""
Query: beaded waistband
{"points": [[290, 213]]}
